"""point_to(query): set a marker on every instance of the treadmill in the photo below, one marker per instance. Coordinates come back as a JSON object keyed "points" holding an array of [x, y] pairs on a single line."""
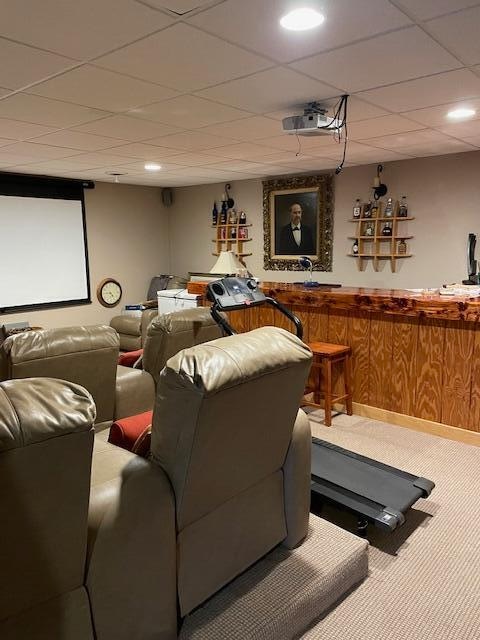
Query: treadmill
{"points": [[376, 493]]}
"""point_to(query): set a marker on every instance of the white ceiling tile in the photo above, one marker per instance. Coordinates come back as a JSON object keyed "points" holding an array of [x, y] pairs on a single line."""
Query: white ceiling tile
{"points": [[286, 142], [204, 172], [393, 57], [283, 157], [385, 125], [459, 32], [52, 113], [126, 128], [144, 151], [474, 141], [462, 130], [101, 159], [188, 112], [184, 58], [270, 90], [79, 30], [437, 148], [4, 92], [243, 151], [101, 89], [246, 129], [77, 140], [401, 141], [75, 163], [41, 151], [178, 6], [9, 159], [242, 166], [192, 141], [426, 92], [256, 25], [313, 164], [372, 155], [27, 65], [425, 9], [437, 116], [17, 130], [4, 142], [195, 159]]}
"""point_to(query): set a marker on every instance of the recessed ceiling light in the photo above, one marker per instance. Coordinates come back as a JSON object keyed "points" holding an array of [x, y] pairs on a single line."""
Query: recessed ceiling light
{"points": [[302, 19], [152, 166], [460, 114]]}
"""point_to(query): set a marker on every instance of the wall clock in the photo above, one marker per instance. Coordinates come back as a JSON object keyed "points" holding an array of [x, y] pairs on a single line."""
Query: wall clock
{"points": [[109, 292]]}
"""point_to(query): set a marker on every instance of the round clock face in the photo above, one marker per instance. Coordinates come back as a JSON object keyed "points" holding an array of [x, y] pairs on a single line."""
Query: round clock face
{"points": [[109, 292]]}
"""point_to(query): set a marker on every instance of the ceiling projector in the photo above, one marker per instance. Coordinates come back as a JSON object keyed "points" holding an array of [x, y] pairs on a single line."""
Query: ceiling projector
{"points": [[314, 122]]}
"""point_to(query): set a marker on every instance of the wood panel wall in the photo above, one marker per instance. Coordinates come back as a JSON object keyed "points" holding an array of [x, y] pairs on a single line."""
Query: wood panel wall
{"points": [[421, 367]]}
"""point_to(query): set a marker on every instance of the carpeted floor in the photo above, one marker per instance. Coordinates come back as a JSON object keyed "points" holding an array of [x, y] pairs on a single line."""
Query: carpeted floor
{"points": [[424, 581]]}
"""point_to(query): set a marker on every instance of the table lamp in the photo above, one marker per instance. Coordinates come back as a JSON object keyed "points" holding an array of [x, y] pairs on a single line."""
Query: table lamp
{"points": [[227, 264]]}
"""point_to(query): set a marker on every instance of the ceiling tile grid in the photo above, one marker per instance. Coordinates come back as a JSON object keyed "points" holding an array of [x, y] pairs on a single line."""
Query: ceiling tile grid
{"points": [[201, 86]]}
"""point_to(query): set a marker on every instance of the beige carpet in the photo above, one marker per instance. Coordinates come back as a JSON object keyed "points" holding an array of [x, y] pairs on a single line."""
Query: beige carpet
{"points": [[424, 580]]}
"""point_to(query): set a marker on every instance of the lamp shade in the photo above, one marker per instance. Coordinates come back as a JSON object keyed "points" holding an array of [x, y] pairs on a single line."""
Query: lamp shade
{"points": [[226, 264]]}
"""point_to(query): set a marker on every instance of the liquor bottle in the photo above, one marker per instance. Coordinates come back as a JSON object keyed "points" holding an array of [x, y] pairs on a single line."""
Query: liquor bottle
{"points": [[388, 208], [403, 211], [233, 233], [357, 209], [369, 229], [243, 233], [374, 209], [387, 229], [367, 210], [355, 248], [223, 213], [214, 214], [401, 247], [243, 218], [232, 216]]}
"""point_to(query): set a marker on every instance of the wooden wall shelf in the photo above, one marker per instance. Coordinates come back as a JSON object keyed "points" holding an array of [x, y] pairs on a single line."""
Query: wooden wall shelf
{"points": [[377, 240], [224, 242]]}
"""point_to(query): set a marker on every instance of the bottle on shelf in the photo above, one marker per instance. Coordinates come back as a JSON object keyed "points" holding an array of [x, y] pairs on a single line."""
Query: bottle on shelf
{"points": [[388, 213], [357, 209], [401, 247], [243, 233], [355, 247], [233, 233], [367, 210], [242, 218], [223, 213], [375, 209], [369, 229], [387, 229], [232, 217], [214, 214], [403, 211]]}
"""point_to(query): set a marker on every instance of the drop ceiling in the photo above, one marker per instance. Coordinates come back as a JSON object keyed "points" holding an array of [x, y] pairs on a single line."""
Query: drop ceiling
{"points": [[89, 89]]}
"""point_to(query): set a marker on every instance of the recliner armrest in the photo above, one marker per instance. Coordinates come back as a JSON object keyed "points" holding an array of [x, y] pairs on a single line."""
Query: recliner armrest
{"points": [[296, 478], [134, 392], [131, 566]]}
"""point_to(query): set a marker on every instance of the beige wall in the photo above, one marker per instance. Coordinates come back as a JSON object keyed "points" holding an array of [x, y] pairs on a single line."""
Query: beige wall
{"points": [[128, 239], [443, 194]]}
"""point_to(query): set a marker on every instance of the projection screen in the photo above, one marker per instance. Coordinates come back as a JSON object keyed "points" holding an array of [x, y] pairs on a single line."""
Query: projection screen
{"points": [[43, 245]]}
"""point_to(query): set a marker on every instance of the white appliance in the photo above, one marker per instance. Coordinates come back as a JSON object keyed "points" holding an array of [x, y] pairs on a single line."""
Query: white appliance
{"points": [[175, 299]]}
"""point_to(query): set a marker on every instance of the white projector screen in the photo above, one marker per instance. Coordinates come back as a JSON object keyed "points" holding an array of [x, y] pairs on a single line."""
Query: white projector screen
{"points": [[43, 256]]}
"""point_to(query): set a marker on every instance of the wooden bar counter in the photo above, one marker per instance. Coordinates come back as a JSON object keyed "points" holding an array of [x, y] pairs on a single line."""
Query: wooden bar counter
{"points": [[414, 355]]}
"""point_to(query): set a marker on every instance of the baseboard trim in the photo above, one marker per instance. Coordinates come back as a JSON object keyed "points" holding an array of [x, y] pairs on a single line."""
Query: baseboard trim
{"points": [[417, 424]]}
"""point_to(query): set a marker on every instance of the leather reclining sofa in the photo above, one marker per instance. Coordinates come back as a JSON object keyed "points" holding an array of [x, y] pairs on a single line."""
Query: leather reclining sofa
{"points": [[88, 356], [123, 555]]}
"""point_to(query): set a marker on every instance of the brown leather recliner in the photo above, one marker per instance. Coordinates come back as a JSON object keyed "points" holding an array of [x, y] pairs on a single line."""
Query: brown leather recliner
{"points": [[229, 479], [235, 452], [83, 355], [132, 330]]}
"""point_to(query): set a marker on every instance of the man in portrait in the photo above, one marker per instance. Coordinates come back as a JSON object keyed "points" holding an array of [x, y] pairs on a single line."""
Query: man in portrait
{"points": [[296, 238]]}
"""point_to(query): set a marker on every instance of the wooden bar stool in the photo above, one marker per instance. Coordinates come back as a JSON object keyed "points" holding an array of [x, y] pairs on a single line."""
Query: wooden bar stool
{"points": [[324, 355]]}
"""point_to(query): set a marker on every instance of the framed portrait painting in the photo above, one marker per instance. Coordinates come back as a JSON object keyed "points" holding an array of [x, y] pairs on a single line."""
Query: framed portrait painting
{"points": [[298, 221]]}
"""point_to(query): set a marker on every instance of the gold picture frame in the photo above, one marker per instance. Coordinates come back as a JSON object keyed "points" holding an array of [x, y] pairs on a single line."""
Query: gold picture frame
{"points": [[304, 201]]}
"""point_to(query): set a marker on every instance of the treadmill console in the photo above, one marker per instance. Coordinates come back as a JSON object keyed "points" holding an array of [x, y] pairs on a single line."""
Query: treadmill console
{"points": [[231, 294]]}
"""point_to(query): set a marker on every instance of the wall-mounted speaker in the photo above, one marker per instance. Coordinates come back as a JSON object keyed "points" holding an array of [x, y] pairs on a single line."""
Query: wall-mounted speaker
{"points": [[167, 196]]}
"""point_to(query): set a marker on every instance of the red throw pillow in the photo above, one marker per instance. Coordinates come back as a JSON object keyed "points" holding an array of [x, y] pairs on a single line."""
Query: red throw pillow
{"points": [[129, 358], [125, 432]]}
